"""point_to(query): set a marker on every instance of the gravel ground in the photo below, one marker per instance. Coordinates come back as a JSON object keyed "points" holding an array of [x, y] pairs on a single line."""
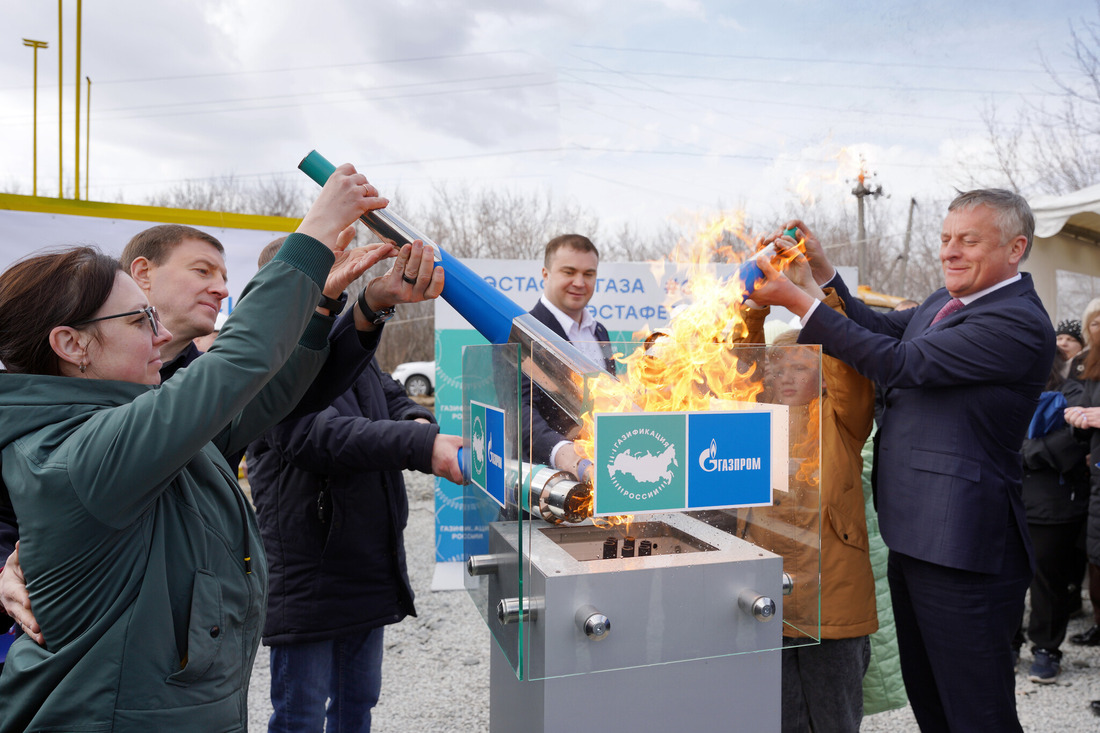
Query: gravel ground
{"points": [[435, 670], [435, 674]]}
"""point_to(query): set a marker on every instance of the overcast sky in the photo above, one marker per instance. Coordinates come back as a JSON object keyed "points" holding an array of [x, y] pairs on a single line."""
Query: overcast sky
{"points": [[641, 110]]}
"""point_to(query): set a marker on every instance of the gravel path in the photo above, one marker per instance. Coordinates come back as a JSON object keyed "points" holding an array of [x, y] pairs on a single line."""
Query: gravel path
{"points": [[435, 675], [435, 670]]}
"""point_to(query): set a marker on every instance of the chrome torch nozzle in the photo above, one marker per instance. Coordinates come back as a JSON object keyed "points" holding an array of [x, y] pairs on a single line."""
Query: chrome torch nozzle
{"points": [[557, 496]]}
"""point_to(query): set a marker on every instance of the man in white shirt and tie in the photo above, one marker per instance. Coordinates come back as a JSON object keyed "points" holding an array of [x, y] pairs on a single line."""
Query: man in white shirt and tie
{"points": [[569, 270]]}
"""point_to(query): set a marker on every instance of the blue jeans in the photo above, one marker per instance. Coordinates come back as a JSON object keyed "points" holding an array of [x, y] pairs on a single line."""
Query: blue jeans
{"points": [[346, 673]]}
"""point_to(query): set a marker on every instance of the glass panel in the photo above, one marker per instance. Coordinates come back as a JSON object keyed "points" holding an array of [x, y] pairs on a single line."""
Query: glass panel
{"points": [[490, 437], [718, 463]]}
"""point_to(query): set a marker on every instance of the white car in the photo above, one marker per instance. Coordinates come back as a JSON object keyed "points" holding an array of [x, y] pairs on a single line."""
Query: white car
{"points": [[417, 376]]}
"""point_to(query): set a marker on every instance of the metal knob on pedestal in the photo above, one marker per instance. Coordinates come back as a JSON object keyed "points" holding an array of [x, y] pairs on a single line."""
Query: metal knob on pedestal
{"points": [[788, 584], [594, 624], [509, 611], [756, 605], [483, 564]]}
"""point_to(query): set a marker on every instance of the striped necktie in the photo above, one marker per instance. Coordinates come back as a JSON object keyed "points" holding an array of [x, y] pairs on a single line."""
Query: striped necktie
{"points": [[948, 308]]}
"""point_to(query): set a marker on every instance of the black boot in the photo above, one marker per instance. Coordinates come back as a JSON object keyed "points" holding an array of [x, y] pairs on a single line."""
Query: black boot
{"points": [[1091, 637]]}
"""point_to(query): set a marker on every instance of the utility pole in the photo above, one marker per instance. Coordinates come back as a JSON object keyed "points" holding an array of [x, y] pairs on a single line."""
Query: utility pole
{"points": [[76, 137], [60, 121], [905, 253], [88, 139], [861, 191], [34, 156]]}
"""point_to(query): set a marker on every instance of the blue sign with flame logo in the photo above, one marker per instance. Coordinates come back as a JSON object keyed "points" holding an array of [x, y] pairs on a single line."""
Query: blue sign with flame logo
{"points": [[729, 459], [487, 449]]}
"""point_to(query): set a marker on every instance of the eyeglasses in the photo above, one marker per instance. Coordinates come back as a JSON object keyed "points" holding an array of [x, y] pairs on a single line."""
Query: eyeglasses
{"points": [[149, 312]]}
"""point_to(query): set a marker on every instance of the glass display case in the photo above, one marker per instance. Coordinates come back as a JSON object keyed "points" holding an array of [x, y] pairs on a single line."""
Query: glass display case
{"points": [[693, 529]]}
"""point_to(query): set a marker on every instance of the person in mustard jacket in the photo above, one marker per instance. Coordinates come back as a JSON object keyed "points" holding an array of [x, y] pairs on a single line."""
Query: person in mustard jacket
{"points": [[822, 683]]}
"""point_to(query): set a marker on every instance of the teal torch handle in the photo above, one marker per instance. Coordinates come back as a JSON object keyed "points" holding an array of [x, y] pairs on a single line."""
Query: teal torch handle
{"points": [[317, 167], [487, 309], [749, 273]]}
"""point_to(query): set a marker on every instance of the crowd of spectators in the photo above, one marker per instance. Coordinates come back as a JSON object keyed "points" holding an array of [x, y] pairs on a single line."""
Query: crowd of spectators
{"points": [[141, 581]]}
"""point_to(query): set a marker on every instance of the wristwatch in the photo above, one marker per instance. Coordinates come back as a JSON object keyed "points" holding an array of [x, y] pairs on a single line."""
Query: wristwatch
{"points": [[376, 317], [335, 305]]}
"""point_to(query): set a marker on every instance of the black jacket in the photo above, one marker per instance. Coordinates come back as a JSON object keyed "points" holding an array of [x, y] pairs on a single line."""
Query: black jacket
{"points": [[1092, 437], [332, 509], [550, 424], [1056, 474]]}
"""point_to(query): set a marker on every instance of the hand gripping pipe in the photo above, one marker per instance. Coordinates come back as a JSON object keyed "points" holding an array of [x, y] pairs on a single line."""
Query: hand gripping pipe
{"points": [[749, 272], [554, 496], [554, 365]]}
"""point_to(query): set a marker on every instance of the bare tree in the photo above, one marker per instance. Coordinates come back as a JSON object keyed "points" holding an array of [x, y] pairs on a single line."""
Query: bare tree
{"points": [[274, 196], [509, 224], [1051, 148], [500, 223]]}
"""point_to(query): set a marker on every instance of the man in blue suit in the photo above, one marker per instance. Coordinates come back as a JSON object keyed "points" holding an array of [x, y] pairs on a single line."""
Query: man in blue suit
{"points": [[569, 270], [962, 375]]}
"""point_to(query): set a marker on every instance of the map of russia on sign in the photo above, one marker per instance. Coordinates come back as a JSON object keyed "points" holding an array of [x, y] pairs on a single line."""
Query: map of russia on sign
{"points": [[642, 459], [487, 450], [665, 461]]}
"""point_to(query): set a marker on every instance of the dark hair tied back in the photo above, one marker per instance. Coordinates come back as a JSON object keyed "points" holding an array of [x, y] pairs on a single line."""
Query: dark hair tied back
{"points": [[44, 291]]}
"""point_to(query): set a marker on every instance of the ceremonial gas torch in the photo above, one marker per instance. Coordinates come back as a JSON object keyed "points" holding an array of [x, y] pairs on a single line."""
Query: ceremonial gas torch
{"points": [[558, 367]]}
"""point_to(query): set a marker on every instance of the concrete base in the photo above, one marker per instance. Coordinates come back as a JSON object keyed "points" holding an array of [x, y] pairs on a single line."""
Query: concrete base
{"points": [[739, 692]]}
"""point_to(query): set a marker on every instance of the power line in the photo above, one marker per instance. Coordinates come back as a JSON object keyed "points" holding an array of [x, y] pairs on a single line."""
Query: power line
{"points": [[301, 95], [810, 60], [217, 74], [260, 108], [816, 84], [367, 166], [736, 156], [793, 105], [721, 133], [865, 115], [649, 190]]}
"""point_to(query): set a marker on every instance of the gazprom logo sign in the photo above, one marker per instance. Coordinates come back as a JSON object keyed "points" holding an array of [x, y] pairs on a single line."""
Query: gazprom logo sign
{"points": [[666, 461], [487, 449], [710, 462], [733, 459]]}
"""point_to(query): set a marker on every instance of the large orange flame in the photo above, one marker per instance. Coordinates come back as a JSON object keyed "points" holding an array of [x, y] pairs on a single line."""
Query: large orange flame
{"points": [[691, 364]]}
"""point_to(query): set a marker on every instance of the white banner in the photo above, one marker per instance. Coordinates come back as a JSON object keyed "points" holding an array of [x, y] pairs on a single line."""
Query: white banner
{"points": [[23, 232]]}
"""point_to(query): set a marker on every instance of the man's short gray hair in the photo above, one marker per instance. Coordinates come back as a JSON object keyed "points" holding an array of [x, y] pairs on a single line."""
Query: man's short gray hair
{"points": [[1011, 212]]}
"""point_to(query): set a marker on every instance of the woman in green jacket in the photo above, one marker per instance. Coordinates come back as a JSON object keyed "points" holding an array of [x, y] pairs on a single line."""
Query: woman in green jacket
{"points": [[142, 557]]}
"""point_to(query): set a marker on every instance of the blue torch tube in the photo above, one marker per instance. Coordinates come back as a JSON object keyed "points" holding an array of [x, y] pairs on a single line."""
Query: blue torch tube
{"points": [[488, 310], [749, 273], [465, 468], [551, 362]]}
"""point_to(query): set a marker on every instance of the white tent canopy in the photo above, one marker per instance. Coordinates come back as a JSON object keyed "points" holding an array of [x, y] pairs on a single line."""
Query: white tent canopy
{"points": [[1052, 212]]}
